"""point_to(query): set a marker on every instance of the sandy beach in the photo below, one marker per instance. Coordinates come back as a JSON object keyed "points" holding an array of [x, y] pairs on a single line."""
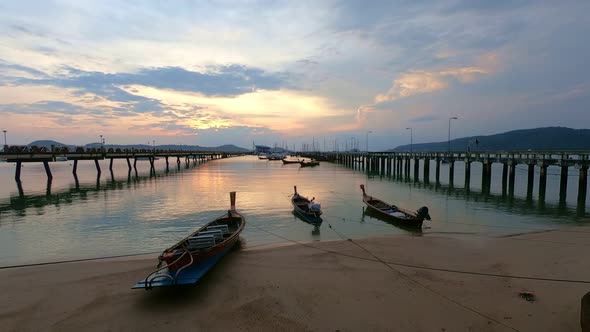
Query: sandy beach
{"points": [[341, 286]]}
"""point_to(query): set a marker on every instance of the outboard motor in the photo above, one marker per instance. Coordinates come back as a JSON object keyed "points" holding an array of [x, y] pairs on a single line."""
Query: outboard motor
{"points": [[423, 212], [315, 207]]}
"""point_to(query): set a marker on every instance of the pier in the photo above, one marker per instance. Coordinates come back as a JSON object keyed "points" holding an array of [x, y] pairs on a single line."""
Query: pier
{"points": [[407, 165], [45, 157]]}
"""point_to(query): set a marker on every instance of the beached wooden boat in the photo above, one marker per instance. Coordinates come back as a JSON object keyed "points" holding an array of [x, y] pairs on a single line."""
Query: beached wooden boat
{"points": [[311, 163], [394, 213], [190, 258], [285, 161], [306, 208]]}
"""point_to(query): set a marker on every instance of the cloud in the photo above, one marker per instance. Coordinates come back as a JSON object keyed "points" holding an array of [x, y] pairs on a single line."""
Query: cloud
{"points": [[230, 80], [418, 82]]}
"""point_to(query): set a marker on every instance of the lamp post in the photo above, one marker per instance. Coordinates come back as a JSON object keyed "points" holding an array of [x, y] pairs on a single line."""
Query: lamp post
{"points": [[449, 138], [154, 141], [4, 131], [411, 137], [367, 141], [101, 143]]}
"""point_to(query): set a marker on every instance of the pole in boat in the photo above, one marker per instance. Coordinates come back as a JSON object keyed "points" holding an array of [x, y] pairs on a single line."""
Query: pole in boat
{"points": [[232, 198], [295, 187]]}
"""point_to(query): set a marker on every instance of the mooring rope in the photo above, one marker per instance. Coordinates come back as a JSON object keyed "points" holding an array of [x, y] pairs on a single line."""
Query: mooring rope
{"points": [[423, 285], [383, 262]]}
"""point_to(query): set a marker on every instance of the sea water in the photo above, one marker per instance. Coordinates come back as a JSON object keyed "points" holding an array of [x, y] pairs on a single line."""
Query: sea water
{"points": [[123, 213]]}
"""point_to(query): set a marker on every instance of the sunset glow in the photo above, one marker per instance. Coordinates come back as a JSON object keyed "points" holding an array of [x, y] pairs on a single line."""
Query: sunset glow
{"points": [[284, 72]]}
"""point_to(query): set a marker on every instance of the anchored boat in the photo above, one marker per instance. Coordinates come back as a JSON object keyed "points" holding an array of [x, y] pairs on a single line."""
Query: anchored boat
{"points": [[189, 259], [311, 163], [306, 208], [394, 213]]}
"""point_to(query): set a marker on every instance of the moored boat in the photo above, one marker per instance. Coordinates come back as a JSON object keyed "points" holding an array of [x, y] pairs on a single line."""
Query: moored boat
{"points": [[394, 213], [286, 161], [306, 207], [190, 258], [311, 163], [276, 156]]}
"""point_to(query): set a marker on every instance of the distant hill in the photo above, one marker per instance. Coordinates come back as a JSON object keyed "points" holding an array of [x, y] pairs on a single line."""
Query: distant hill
{"points": [[549, 138], [222, 148]]}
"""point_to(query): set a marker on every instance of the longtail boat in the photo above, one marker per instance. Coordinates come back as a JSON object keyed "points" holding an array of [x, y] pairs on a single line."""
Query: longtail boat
{"points": [[190, 258], [395, 213], [306, 208], [286, 161], [311, 163]]}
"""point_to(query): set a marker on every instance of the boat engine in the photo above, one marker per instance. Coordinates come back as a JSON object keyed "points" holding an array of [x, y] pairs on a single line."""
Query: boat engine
{"points": [[315, 207], [423, 212]]}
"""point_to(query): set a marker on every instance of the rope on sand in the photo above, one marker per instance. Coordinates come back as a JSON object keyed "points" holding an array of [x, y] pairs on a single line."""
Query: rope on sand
{"points": [[75, 260], [424, 286], [388, 264]]}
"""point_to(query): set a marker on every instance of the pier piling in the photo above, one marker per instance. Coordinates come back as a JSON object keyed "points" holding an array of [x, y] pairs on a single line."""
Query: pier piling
{"points": [[47, 170], [563, 183], [543, 182], [582, 184], [97, 167], [19, 165]]}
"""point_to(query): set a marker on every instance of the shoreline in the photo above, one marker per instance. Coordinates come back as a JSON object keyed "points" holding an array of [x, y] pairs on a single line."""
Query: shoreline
{"points": [[295, 287]]}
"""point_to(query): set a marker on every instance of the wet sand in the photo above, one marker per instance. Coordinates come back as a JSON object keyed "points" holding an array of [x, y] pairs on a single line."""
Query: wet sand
{"points": [[297, 288]]}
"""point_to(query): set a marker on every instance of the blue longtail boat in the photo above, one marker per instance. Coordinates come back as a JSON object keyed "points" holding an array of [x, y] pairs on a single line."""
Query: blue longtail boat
{"points": [[189, 259]]}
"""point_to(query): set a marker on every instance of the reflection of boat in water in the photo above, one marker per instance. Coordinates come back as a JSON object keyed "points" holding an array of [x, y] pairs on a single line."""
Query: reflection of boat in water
{"points": [[306, 208], [394, 213], [189, 259]]}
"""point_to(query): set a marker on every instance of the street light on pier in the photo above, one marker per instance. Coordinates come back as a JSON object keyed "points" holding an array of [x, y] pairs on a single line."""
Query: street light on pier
{"points": [[5, 145], [411, 138], [101, 143], [367, 141], [449, 138]]}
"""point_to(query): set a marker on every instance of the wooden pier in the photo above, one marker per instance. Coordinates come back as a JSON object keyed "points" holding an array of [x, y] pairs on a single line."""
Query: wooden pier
{"points": [[96, 155], [407, 164]]}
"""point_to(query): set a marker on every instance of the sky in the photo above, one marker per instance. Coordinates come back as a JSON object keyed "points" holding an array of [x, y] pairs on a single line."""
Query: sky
{"points": [[334, 74]]}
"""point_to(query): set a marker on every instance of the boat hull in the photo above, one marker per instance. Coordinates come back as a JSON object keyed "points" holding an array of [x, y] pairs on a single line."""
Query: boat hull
{"points": [[309, 164], [390, 212], [309, 216], [198, 257], [190, 258], [187, 276], [405, 222]]}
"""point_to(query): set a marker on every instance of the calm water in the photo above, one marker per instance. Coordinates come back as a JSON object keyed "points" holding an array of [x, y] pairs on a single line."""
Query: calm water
{"points": [[123, 214]]}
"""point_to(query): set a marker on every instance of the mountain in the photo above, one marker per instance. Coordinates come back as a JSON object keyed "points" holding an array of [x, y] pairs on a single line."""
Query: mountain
{"points": [[222, 148], [548, 138]]}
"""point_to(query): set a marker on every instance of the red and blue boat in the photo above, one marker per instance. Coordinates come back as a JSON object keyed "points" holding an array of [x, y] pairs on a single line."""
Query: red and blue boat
{"points": [[190, 258]]}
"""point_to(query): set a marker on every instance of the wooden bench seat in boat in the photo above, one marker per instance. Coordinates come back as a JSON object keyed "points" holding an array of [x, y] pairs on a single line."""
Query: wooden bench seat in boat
{"points": [[223, 228], [201, 242], [217, 234]]}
